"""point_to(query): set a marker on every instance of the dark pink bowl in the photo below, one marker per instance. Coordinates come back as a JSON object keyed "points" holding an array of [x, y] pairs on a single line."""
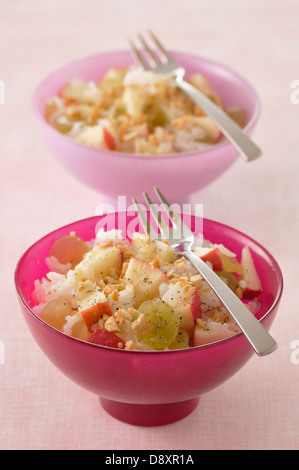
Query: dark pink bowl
{"points": [[113, 173], [145, 388]]}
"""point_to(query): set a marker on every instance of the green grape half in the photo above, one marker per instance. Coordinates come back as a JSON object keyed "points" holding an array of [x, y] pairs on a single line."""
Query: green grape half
{"points": [[181, 341], [230, 278], [162, 324]]}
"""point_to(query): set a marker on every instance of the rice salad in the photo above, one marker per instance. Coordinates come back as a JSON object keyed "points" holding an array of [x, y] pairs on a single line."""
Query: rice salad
{"points": [[135, 111], [140, 294]]}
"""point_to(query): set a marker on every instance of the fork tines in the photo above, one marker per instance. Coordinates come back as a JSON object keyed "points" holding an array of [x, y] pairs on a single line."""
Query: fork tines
{"points": [[171, 229], [149, 58]]}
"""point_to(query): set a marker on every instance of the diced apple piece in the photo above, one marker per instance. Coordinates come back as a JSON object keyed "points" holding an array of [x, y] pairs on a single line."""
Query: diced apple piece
{"points": [[134, 133], [145, 248], [202, 83], [92, 298], [208, 297], [212, 133], [52, 107], [221, 315], [231, 264], [93, 307], [99, 262], [74, 90], [81, 91], [92, 315], [250, 279], [134, 100], [113, 78], [185, 302], [145, 278], [212, 255], [209, 332], [108, 139], [99, 136], [107, 338]]}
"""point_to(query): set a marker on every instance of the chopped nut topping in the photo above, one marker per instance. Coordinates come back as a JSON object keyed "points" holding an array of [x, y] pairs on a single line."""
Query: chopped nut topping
{"points": [[112, 325], [141, 324], [130, 345]]}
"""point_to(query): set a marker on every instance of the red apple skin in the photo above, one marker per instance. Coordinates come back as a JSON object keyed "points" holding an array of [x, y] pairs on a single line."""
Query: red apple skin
{"points": [[219, 137], [196, 305], [195, 309], [91, 315], [249, 307], [107, 338], [189, 310], [214, 257], [121, 257], [250, 276], [109, 139], [150, 267], [250, 293]]}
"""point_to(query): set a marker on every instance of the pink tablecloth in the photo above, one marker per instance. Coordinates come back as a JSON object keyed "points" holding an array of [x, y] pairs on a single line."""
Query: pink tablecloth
{"points": [[258, 407]]}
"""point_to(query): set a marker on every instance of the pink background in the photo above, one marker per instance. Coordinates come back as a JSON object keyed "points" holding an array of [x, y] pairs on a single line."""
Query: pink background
{"points": [[258, 407]]}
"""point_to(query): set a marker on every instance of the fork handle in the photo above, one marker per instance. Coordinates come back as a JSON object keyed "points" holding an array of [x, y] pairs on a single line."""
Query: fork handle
{"points": [[258, 336], [238, 138]]}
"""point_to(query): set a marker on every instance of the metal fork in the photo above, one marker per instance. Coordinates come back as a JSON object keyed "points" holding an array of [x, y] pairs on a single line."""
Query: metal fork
{"points": [[163, 62], [180, 237]]}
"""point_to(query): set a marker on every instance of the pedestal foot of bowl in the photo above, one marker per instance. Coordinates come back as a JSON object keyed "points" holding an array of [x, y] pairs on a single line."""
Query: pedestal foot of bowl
{"points": [[149, 415]]}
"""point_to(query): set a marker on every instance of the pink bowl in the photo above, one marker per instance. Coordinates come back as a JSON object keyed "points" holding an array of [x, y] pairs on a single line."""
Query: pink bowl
{"points": [[145, 388], [113, 173]]}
